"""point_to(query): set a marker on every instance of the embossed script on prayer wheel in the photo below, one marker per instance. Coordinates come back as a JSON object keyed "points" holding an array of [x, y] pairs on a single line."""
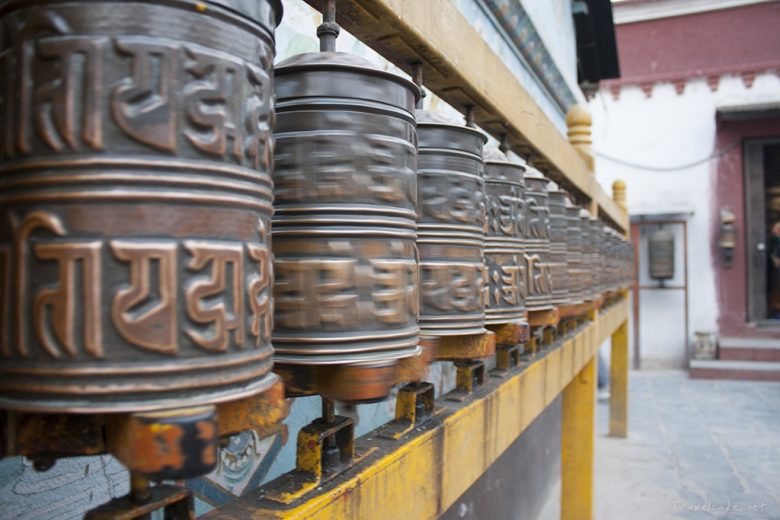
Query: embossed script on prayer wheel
{"points": [[451, 227], [588, 257], [346, 289], [574, 263], [135, 203], [537, 242], [600, 239], [559, 274], [504, 240]]}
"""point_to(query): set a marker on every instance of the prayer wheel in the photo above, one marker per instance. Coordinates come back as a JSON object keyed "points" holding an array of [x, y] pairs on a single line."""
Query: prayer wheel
{"points": [[661, 253], [451, 227], [344, 231], [588, 257], [574, 263], [135, 207], [596, 256], [537, 242], [559, 274], [504, 240]]}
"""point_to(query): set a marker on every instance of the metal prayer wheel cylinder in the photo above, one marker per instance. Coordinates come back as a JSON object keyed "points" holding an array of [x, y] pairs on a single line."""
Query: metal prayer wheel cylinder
{"points": [[537, 243], [615, 263], [507, 218], [661, 254], [559, 273], [451, 227], [596, 270], [588, 254], [345, 198], [135, 204], [574, 263]]}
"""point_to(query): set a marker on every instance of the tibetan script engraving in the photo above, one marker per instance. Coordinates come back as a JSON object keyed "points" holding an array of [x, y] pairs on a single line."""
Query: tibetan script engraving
{"points": [[143, 104], [453, 286], [54, 311], [205, 298], [143, 315], [396, 300], [316, 293]]}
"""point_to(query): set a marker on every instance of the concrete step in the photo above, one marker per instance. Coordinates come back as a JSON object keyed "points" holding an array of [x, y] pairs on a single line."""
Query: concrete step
{"points": [[730, 369], [749, 349]]}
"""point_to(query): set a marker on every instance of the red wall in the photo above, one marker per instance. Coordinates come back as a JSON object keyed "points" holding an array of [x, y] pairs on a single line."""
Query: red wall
{"points": [[726, 40], [729, 192]]}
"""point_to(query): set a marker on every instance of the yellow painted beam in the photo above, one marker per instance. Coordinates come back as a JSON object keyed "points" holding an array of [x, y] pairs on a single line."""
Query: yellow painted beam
{"points": [[422, 475], [618, 382], [461, 68], [577, 436]]}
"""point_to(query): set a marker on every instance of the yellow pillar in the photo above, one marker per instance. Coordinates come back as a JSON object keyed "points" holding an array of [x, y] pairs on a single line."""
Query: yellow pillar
{"points": [[577, 434], [618, 383], [618, 372]]}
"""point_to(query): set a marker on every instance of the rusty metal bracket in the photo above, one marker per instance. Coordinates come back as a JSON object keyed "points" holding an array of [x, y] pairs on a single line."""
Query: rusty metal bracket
{"points": [[324, 450], [549, 335], [469, 376], [414, 405], [176, 502], [507, 359]]}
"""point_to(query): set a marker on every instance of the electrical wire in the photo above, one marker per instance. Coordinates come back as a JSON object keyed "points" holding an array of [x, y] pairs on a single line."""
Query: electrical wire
{"points": [[715, 155]]}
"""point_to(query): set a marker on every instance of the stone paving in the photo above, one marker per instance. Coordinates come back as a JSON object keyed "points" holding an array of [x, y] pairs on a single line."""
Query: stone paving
{"points": [[697, 449]]}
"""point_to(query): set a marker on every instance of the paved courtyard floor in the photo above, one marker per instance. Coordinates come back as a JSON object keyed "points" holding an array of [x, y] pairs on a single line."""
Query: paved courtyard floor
{"points": [[696, 449]]}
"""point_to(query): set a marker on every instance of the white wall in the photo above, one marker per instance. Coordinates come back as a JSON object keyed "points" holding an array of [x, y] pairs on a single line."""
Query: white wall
{"points": [[669, 130]]}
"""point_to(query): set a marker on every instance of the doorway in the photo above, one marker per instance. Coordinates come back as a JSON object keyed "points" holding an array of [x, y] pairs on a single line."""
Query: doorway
{"points": [[762, 208]]}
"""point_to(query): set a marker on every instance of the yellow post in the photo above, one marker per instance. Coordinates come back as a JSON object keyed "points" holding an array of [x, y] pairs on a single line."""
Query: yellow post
{"points": [[577, 434], [618, 383], [618, 372]]}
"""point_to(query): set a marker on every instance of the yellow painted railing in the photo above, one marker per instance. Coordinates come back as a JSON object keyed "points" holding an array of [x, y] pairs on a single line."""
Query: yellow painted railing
{"points": [[419, 476]]}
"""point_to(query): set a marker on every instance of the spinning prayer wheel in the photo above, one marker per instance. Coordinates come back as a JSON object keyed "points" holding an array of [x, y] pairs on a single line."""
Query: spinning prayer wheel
{"points": [[507, 220], [588, 257], [451, 227], [344, 231], [574, 264], [537, 242], [559, 273], [135, 195]]}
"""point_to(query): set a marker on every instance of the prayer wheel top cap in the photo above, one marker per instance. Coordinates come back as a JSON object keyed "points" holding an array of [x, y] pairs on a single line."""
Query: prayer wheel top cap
{"points": [[340, 75], [499, 167], [431, 119], [552, 187], [252, 9], [438, 131], [536, 181], [533, 173]]}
